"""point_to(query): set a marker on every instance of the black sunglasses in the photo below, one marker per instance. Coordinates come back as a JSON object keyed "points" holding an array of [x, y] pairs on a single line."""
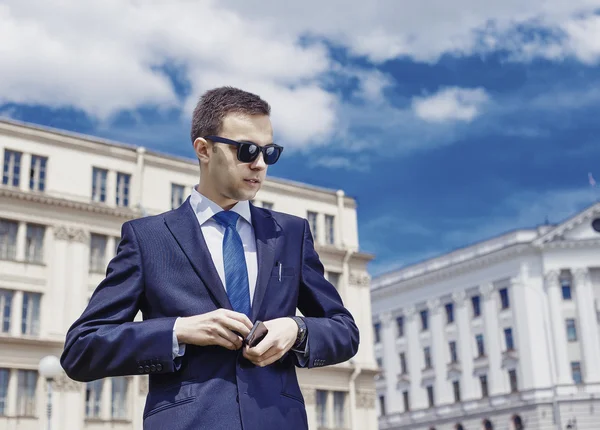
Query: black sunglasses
{"points": [[247, 152]]}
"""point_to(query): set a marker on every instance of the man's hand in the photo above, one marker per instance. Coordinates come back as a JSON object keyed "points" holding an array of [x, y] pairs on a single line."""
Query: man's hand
{"points": [[222, 327], [279, 340]]}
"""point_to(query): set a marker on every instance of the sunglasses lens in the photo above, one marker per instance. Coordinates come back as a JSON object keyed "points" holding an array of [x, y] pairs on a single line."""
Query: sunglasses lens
{"points": [[248, 152], [272, 155]]}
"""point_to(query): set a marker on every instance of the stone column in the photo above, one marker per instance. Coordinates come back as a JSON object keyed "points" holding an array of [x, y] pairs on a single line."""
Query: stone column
{"points": [[24, 171], [111, 188], [559, 331], [57, 323], [588, 325], [439, 352], [16, 314], [390, 362], [78, 273], [496, 379], [465, 353], [21, 241], [11, 405], [418, 398]]}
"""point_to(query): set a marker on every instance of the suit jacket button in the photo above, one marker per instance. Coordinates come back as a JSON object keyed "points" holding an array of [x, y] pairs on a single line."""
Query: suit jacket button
{"points": [[152, 368], [141, 369], [147, 368], [158, 367]]}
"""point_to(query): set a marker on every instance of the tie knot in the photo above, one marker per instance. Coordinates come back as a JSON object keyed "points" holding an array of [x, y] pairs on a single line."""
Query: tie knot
{"points": [[227, 218]]}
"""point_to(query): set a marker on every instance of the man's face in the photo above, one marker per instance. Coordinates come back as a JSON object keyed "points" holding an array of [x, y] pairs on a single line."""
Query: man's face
{"points": [[228, 180]]}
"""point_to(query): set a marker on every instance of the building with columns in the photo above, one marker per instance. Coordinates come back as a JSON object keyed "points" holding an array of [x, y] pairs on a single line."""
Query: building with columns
{"points": [[503, 334], [63, 199]]}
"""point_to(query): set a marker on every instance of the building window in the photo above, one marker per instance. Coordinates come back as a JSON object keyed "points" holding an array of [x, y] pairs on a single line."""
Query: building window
{"points": [[93, 398], [403, 363], [12, 168], [484, 385], [459, 427], [377, 332], [119, 400], [98, 253], [571, 330], [99, 184], [311, 217], [30, 320], [476, 302], [512, 376], [8, 239], [339, 416], [487, 425], [406, 400], [424, 319], [456, 389], [26, 388], [4, 374], [267, 205], [379, 363], [334, 279], [508, 338], [504, 300], [37, 173], [329, 229], [322, 408], [5, 306], [449, 313], [381, 409], [576, 372], [123, 181], [566, 289], [34, 243], [453, 353], [427, 354], [177, 195], [480, 345], [430, 397], [400, 326]]}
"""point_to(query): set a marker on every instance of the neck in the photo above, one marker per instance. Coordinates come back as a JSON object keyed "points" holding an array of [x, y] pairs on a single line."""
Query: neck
{"points": [[224, 202]]}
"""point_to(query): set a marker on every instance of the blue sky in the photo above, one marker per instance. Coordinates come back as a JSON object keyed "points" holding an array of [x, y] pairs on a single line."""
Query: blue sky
{"points": [[446, 127]]}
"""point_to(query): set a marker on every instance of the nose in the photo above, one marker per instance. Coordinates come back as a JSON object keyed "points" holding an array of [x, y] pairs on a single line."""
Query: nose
{"points": [[258, 163]]}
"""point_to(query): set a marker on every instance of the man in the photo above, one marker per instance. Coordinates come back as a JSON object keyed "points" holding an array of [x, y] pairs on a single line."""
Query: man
{"points": [[202, 275]]}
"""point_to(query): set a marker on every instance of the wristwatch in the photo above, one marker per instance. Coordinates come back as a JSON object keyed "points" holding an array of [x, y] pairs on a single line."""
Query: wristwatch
{"points": [[301, 331]]}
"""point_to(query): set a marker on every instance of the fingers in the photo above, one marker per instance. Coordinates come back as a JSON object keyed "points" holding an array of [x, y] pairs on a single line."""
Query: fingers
{"points": [[237, 316], [226, 338], [269, 357]]}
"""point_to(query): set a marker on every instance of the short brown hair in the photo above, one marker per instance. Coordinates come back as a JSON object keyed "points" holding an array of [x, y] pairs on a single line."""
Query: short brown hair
{"points": [[216, 103]]}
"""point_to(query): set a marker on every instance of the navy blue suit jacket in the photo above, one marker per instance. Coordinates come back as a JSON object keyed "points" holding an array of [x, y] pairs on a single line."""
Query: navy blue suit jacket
{"points": [[163, 268]]}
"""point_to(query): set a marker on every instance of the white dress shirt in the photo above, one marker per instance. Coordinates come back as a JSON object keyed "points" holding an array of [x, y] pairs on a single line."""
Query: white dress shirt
{"points": [[213, 233]]}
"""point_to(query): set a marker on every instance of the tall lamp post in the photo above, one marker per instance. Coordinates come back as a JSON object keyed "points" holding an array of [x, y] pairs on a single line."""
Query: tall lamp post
{"points": [[49, 367]]}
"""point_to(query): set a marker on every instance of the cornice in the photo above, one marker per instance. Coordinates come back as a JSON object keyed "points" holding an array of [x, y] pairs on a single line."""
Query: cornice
{"points": [[570, 244], [453, 270], [36, 197]]}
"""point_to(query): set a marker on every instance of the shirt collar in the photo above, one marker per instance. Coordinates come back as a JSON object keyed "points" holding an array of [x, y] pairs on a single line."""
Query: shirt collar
{"points": [[205, 209]]}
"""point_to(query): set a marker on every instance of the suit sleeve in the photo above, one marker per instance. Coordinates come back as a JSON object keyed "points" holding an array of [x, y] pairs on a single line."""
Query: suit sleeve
{"points": [[105, 340], [333, 336]]}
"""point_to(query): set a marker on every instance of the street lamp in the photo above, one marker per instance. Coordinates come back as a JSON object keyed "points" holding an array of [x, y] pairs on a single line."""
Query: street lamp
{"points": [[49, 368]]}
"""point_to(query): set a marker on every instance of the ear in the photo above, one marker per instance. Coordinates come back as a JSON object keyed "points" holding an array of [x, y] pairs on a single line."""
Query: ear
{"points": [[203, 149]]}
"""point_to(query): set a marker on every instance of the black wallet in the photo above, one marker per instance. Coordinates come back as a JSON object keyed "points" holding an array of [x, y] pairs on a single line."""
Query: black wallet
{"points": [[258, 333]]}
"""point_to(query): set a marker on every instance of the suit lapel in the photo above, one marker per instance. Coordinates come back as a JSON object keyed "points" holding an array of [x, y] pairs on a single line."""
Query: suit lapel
{"points": [[184, 226], [266, 234]]}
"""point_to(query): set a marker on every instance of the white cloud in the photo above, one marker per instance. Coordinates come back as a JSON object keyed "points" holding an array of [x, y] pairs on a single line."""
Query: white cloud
{"points": [[451, 104], [422, 30], [102, 56]]}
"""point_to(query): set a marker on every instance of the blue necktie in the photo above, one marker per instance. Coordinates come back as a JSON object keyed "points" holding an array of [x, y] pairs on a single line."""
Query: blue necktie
{"points": [[236, 274]]}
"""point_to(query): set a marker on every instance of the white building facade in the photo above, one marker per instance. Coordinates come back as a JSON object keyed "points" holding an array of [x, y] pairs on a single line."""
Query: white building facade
{"points": [[503, 334], [63, 199]]}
